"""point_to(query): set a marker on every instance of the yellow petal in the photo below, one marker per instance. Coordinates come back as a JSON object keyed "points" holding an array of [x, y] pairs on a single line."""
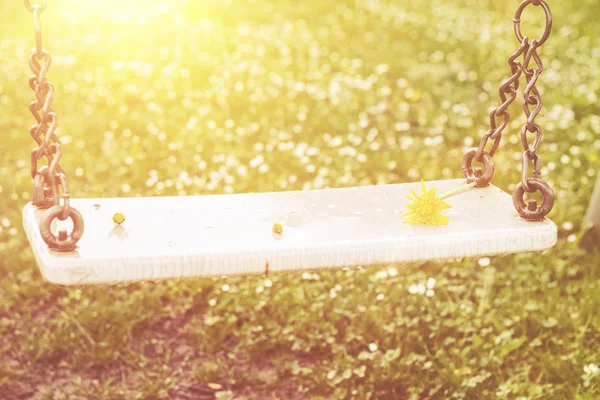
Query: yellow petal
{"points": [[431, 192], [444, 206], [439, 219]]}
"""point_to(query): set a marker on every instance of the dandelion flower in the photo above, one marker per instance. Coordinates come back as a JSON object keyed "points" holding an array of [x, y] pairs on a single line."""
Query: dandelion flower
{"points": [[426, 208]]}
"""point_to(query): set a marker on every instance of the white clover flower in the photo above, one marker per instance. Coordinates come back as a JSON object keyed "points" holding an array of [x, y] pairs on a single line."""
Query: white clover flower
{"points": [[590, 369], [568, 225], [381, 275], [417, 288], [431, 283], [484, 262]]}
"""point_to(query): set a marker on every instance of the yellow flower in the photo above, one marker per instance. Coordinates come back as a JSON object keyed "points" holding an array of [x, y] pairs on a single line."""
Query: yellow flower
{"points": [[118, 218], [278, 228], [426, 208]]}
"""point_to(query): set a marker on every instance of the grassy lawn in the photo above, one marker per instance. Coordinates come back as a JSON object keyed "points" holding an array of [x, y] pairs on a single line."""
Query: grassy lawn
{"points": [[213, 96]]}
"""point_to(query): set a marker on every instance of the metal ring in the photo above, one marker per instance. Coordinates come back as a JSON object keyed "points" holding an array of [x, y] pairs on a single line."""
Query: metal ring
{"points": [[532, 212], [64, 241], [488, 168], [517, 20], [31, 7]]}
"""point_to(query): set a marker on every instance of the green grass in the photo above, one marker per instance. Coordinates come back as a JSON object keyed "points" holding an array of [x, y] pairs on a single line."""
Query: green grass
{"points": [[178, 97]]}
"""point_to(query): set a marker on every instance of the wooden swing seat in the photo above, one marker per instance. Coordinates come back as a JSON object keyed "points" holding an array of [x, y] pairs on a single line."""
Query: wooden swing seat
{"points": [[214, 235]]}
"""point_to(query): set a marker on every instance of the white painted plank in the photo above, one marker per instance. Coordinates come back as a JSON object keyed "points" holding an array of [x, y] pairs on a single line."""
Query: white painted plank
{"points": [[178, 237]]}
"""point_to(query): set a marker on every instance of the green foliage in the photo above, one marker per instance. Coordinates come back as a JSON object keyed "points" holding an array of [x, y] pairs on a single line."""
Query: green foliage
{"points": [[176, 98]]}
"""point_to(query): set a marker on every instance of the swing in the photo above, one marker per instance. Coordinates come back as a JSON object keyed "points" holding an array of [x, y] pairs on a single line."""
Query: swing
{"points": [[256, 233]]}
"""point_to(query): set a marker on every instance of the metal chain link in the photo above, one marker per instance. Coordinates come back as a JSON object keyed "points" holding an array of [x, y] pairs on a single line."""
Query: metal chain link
{"points": [[531, 98], [49, 181]]}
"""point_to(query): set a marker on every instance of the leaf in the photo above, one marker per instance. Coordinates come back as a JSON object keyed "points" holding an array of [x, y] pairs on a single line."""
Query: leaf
{"points": [[224, 395], [215, 386], [511, 346], [347, 374]]}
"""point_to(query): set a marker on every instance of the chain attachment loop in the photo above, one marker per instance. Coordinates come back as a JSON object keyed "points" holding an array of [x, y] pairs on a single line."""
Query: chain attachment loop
{"points": [[32, 7], [37, 23], [63, 241], [482, 177], [531, 211], [519, 12]]}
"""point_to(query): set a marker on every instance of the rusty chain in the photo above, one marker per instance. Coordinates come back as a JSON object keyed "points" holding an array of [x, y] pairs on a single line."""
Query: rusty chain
{"points": [[532, 105], [49, 181]]}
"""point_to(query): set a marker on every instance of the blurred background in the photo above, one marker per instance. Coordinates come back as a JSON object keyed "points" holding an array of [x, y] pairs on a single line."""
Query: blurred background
{"points": [[197, 97]]}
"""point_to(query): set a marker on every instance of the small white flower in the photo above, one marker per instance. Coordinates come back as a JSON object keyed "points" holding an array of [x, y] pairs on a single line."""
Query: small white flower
{"points": [[380, 296], [373, 347], [260, 289], [590, 369], [212, 302], [429, 293], [381, 275], [484, 262], [417, 288], [225, 288], [393, 271], [338, 287], [268, 283], [431, 283], [332, 293]]}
